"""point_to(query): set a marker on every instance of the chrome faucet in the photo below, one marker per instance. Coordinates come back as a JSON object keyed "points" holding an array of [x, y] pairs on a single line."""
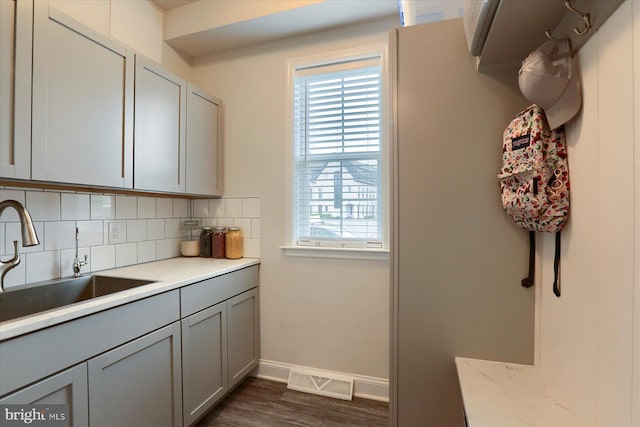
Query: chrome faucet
{"points": [[77, 264], [29, 236]]}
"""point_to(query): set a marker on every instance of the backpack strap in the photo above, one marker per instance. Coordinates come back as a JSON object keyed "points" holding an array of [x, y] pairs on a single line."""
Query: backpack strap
{"points": [[556, 266], [527, 282]]}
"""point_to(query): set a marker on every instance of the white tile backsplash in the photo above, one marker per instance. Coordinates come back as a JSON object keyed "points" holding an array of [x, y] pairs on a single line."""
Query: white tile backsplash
{"points": [[146, 251], [103, 257], [136, 230], [164, 248], [225, 222], [217, 207], [146, 207], [11, 214], [90, 233], [233, 208], [66, 261], [74, 206], [103, 207], [126, 207], [152, 229], [201, 208], [43, 205], [256, 224], [164, 208], [155, 229], [59, 235], [243, 212], [13, 231], [126, 254], [180, 208], [43, 266], [209, 222], [17, 275], [244, 224], [172, 227]]}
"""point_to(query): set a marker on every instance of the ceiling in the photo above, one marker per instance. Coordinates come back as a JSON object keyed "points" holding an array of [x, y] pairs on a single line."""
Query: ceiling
{"points": [[201, 27], [172, 4]]}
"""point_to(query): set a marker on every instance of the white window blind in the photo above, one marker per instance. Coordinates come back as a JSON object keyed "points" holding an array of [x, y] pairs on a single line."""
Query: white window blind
{"points": [[337, 145]]}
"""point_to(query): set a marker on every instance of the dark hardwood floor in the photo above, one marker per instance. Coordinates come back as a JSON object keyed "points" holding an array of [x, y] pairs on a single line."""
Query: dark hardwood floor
{"points": [[259, 403]]}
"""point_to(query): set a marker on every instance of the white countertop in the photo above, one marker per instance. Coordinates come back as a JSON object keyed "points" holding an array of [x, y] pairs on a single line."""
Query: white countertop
{"points": [[498, 394], [167, 274]]}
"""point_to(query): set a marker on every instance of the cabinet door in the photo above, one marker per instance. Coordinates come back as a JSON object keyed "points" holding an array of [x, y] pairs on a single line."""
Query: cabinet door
{"points": [[66, 388], [204, 143], [204, 361], [139, 383], [160, 105], [82, 103], [16, 24], [243, 329]]}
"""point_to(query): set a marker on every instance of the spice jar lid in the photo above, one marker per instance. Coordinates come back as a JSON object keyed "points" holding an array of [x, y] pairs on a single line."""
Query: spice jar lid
{"points": [[219, 229], [234, 228], [205, 227]]}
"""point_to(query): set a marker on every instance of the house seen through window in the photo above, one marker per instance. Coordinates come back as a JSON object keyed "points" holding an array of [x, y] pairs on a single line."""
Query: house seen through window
{"points": [[337, 143]]}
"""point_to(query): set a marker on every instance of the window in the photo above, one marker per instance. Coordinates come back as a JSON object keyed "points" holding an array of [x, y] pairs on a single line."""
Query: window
{"points": [[338, 161]]}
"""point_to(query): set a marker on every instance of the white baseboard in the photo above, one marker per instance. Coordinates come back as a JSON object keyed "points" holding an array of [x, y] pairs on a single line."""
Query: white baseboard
{"points": [[364, 387]]}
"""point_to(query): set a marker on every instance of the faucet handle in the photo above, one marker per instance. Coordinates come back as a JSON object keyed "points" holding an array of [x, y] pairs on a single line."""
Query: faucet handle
{"points": [[9, 264]]}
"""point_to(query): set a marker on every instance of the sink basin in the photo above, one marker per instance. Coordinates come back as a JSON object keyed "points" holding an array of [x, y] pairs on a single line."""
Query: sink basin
{"points": [[32, 300]]}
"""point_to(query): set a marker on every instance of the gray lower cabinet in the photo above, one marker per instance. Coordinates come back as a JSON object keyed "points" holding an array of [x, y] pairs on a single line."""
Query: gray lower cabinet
{"points": [[139, 383], [69, 387], [220, 338], [204, 361], [159, 361], [243, 335]]}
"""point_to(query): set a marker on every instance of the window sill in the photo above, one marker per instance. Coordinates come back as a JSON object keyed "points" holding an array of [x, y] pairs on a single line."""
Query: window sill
{"points": [[337, 253]]}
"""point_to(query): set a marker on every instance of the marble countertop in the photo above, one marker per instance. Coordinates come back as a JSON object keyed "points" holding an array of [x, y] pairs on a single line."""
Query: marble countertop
{"points": [[498, 394], [167, 275]]}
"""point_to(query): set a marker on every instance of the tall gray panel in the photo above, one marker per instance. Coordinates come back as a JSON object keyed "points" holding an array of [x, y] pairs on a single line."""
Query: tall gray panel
{"points": [[458, 258]]}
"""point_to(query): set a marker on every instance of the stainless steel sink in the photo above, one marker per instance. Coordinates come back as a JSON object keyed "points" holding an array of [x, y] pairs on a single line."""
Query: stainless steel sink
{"points": [[50, 295]]}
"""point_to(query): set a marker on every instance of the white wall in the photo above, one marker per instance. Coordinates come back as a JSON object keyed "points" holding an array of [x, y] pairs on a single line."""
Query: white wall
{"points": [[585, 339], [327, 314]]}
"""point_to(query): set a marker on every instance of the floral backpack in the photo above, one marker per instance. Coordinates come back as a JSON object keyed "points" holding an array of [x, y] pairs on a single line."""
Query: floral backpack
{"points": [[534, 180]]}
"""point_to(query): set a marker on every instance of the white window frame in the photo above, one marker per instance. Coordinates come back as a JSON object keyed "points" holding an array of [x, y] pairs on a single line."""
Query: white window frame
{"points": [[291, 248]]}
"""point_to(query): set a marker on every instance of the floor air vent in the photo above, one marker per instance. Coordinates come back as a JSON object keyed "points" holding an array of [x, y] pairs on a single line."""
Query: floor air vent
{"points": [[322, 383]]}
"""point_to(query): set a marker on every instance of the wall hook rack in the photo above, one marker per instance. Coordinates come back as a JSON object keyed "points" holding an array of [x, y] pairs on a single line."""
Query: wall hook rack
{"points": [[586, 17]]}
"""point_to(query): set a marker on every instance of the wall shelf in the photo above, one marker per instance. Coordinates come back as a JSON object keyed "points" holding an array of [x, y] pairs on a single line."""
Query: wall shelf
{"points": [[519, 28]]}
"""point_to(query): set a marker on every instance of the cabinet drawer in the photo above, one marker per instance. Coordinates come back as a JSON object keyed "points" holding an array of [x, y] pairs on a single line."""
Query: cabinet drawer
{"points": [[212, 291], [28, 358]]}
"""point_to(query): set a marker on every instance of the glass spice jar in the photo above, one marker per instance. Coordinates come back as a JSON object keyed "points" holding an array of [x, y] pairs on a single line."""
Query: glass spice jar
{"points": [[218, 242], [233, 240], [205, 242]]}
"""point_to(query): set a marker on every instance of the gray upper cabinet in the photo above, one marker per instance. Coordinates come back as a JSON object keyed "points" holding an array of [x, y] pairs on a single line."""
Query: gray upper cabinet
{"points": [[78, 107], [159, 136], [16, 25], [204, 143], [82, 120]]}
